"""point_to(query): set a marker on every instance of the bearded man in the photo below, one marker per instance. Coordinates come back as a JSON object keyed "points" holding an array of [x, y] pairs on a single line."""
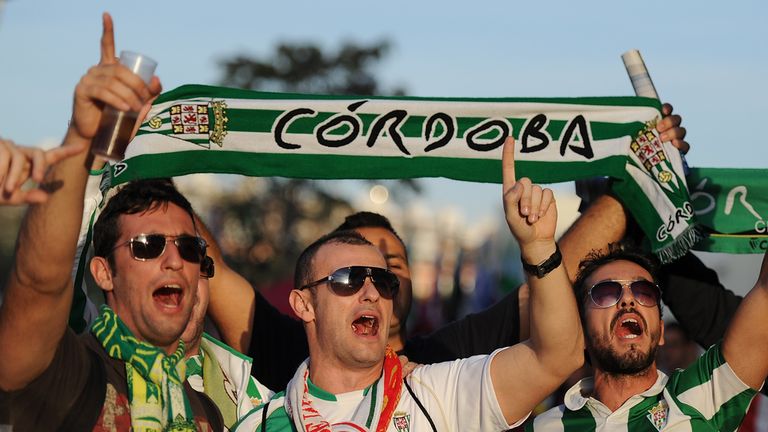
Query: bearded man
{"points": [[621, 316]]}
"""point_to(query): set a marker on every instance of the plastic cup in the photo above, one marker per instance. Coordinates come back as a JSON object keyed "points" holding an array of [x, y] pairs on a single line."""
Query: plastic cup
{"points": [[116, 127]]}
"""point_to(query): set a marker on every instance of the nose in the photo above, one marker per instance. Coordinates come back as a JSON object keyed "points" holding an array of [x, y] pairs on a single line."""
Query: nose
{"points": [[369, 292], [171, 257], [627, 297]]}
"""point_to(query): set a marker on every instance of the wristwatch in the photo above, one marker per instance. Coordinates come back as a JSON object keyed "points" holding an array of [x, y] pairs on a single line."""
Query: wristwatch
{"points": [[546, 266]]}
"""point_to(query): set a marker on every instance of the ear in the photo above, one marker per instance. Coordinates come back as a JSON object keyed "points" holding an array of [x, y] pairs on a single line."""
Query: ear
{"points": [[302, 306], [661, 335], [102, 273]]}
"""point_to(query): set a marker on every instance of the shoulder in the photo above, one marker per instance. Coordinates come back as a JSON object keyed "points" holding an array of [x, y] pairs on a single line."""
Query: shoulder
{"points": [[276, 415], [559, 417]]}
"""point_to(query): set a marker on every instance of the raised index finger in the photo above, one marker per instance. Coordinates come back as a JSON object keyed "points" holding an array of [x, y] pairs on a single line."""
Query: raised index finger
{"points": [[107, 41], [508, 164]]}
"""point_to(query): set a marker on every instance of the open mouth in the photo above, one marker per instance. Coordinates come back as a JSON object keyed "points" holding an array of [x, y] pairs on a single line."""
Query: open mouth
{"points": [[366, 325], [629, 328], [168, 295]]}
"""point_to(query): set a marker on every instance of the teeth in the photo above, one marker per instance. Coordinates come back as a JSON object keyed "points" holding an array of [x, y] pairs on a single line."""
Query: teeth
{"points": [[630, 336], [629, 320]]}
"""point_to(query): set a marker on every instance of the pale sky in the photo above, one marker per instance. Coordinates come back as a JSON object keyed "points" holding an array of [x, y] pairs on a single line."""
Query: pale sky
{"points": [[709, 59]]}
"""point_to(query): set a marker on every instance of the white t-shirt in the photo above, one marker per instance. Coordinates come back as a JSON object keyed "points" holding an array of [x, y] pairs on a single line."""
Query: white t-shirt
{"points": [[457, 396]]}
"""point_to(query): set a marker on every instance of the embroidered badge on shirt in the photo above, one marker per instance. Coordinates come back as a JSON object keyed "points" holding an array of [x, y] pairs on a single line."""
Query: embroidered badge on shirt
{"points": [[402, 421], [658, 415]]}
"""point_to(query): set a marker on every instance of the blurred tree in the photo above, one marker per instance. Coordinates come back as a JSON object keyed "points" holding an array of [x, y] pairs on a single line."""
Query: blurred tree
{"points": [[305, 68], [283, 216]]}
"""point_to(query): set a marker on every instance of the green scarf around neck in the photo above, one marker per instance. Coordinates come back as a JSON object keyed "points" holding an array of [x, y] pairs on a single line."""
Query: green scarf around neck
{"points": [[155, 379]]}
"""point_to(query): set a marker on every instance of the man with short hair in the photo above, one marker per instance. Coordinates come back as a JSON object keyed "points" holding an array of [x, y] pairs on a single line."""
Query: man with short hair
{"points": [[352, 380], [620, 305], [129, 370]]}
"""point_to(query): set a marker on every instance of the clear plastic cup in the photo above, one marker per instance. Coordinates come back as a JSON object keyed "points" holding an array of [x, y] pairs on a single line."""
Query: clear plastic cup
{"points": [[116, 126]]}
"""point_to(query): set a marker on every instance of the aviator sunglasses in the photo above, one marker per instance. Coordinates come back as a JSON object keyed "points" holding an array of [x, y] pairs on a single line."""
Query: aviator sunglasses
{"points": [[608, 292], [348, 280], [150, 246]]}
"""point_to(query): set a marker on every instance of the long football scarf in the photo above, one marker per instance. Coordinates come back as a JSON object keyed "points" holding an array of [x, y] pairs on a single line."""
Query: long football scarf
{"points": [[155, 385], [383, 399], [211, 129], [732, 207]]}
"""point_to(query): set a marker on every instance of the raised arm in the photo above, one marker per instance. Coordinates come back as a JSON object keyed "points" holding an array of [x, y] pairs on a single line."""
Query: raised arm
{"points": [[745, 346], [34, 313], [525, 374], [232, 298]]}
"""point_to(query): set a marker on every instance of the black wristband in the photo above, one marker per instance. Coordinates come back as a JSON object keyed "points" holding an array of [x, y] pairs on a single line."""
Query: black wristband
{"points": [[546, 266]]}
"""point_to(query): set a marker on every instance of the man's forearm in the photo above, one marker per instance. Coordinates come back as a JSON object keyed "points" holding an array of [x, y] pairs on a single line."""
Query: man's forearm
{"points": [[745, 346], [555, 341], [603, 222], [34, 313], [48, 235]]}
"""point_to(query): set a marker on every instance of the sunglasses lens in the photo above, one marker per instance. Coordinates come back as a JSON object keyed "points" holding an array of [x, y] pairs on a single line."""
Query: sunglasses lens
{"points": [[385, 282], [646, 293], [606, 293], [191, 249], [147, 247], [347, 281]]}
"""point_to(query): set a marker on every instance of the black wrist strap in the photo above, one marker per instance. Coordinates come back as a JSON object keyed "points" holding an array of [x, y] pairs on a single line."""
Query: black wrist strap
{"points": [[546, 266]]}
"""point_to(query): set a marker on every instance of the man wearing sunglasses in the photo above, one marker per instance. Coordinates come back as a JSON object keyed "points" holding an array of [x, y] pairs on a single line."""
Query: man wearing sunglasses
{"points": [[352, 379], [128, 371], [620, 305]]}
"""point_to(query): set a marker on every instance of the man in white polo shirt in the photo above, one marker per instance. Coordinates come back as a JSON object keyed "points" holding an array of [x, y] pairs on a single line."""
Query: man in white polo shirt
{"points": [[621, 315], [352, 380]]}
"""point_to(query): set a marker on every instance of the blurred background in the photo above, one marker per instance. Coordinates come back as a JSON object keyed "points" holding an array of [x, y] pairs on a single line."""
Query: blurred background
{"points": [[710, 62]]}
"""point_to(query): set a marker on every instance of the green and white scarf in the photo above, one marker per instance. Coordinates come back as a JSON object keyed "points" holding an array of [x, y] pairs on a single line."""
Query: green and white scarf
{"points": [[155, 385], [732, 207], [211, 129]]}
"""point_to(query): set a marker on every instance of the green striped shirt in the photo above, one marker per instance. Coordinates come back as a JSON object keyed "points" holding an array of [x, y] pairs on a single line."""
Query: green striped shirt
{"points": [[707, 396]]}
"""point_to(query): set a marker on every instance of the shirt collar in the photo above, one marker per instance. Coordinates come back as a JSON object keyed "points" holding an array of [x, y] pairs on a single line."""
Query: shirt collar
{"points": [[575, 398]]}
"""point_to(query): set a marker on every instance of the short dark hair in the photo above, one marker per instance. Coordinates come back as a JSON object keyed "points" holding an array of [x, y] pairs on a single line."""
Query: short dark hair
{"points": [[616, 252], [303, 273], [136, 197], [366, 219]]}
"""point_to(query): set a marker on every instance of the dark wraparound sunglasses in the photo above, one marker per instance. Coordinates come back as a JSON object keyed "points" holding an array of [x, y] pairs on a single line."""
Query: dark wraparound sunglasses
{"points": [[348, 280], [608, 292], [150, 246]]}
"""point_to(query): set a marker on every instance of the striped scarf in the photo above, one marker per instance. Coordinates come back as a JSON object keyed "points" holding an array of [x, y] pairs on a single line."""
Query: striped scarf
{"points": [[221, 130], [155, 384], [383, 399]]}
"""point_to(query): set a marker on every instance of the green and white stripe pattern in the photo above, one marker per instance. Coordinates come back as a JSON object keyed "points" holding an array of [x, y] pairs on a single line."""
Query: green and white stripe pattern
{"points": [[732, 206], [212, 129], [707, 396]]}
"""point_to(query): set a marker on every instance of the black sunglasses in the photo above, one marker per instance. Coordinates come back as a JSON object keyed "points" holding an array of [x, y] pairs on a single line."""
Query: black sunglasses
{"points": [[150, 246], [207, 269], [607, 293], [348, 280]]}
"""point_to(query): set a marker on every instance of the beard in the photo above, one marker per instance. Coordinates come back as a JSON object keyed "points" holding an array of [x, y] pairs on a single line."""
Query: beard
{"points": [[632, 362]]}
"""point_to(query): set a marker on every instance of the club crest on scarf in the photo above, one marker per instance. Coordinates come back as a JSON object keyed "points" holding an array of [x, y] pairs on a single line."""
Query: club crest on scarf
{"points": [[648, 149], [201, 124], [658, 415]]}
